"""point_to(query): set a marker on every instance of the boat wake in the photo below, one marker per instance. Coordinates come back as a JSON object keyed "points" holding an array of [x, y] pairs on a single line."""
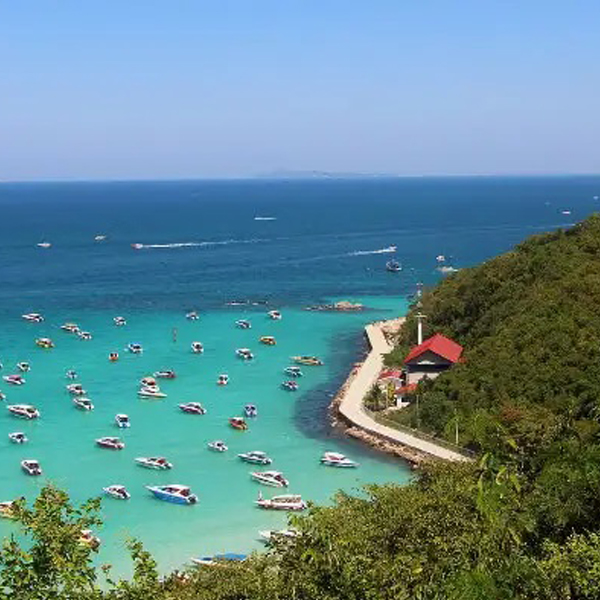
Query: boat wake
{"points": [[387, 250], [196, 244]]}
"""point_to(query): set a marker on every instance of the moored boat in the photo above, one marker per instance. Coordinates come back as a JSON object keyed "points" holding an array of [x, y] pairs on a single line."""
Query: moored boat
{"points": [[33, 317], [192, 316], [113, 357], [44, 245], [244, 354], [175, 493], [197, 347], [166, 374], [193, 408], [250, 410], [159, 463], [311, 361], [148, 382], [117, 491], [18, 437], [24, 367], [45, 343], [76, 389], [31, 466], [122, 421], [275, 315], [120, 321], [393, 266], [84, 335], [148, 392], [238, 423], [210, 561], [290, 386], [217, 446], [335, 459], [7, 510], [267, 340], [71, 374], [223, 379], [292, 502], [24, 411], [14, 379], [293, 371], [271, 536], [135, 348], [83, 403], [99, 238], [272, 478], [110, 443], [87, 538], [255, 457], [243, 324], [70, 327]]}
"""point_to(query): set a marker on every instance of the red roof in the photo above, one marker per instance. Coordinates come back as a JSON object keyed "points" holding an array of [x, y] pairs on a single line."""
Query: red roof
{"points": [[407, 389], [392, 373], [438, 344]]}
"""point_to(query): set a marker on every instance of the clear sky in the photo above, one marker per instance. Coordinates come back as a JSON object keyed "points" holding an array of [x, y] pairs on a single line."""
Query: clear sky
{"points": [[190, 88]]}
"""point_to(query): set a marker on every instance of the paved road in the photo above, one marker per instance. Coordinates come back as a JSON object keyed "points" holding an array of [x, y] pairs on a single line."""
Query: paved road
{"points": [[351, 406]]}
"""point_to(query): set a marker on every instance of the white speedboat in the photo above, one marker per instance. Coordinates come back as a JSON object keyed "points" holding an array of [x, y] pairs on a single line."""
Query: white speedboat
{"points": [[270, 536], [147, 392], [135, 348], [197, 347], [117, 491], [192, 316], [218, 446], [83, 403], [293, 371], [166, 374], [24, 367], [110, 443], [2, 396], [44, 245], [70, 327], [175, 493], [335, 459], [99, 238], [291, 502], [45, 343], [84, 335], [223, 379], [440, 258], [14, 379], [137, 246], [71, 374], [33, 317], [159, 463], [148, 382], [243, 324], [290, 386], [120, 321], [24, 411], [272, 478], [122, 421], [193, 408], [275, 315], [76, 389], [31, 467], [393, 266], [250, 410], [255, 457], [18, 437], [244, 354]]}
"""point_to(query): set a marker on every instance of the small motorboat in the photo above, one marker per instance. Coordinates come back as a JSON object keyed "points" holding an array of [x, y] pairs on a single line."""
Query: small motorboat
{"points": [[45, 343], [137, 246], [271, 536], [24, 411], [218, 446], [135, 348], [238, 423], [148, 382], [223, 379], [244, 354], [178, 494], [267, 340], [110, 443], [18, 437], [197, 347], [44, 245], [290, 386], [293, 371], [31, 467], [84, 335], [7, 510], [70, 327], [83, 403], [14, 379], [243, 324], [255, 457], [23, 367], [440, 258], [393, 266], [275, 315], [250, 410], [272, 478], [192, 316], [122, 421], [99, 238], [71, 374], [33, 317], [311, 361], [285, 502], [87, 538], [166, 374], [76, 389], [119, 321], [159, 463], [335, 459], [193, 408], [209, 561], [117, 491], [148, 392], [113, 357], [2, 396]]}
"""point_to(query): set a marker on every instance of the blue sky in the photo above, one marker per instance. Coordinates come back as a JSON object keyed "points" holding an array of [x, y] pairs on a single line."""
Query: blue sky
{"points": [[168, 89]]}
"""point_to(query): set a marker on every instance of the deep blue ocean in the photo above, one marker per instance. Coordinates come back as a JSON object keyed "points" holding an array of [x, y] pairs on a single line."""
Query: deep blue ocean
{"points": [[202, 249]]}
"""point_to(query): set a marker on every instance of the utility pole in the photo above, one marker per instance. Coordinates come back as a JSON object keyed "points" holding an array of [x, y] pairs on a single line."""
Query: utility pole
{"points": [[456, 427], [420, 316]]}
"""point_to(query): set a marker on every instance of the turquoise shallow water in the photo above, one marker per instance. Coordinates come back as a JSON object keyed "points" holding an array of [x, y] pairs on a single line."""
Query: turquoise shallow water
{"points": [[291, 427]]}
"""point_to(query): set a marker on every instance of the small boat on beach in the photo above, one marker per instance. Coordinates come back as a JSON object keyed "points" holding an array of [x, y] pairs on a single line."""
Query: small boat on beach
{"points": [[311, 361], [23, 411], [211, 561], [84, 335], [120, 321], [250, 410], [267, 340], [45, 343], [293, 371], [393, 266], [70, 327], [33, 317], [197, 347], [335, 459], [18, 437], [166, 374], [148, 392], [175, 493], [223, 379], [255, 457], [193, 408], [274, 315], [83, 403], [14, 379], [238, 423], [244, 354], [158, 463], [110, 443], [31, 467], [135, 348], [272, 478], [217, 446], [192, 316], [290, 502], [71, 374], [243, 324], [76, 389], [290, 386], [122, 421], [117, 491]]}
